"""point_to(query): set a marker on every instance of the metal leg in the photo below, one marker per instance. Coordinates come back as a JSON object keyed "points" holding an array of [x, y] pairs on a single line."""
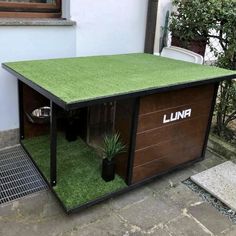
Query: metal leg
{"points": [[53, 145], [210, 118], [133, 140], [21, 109]]}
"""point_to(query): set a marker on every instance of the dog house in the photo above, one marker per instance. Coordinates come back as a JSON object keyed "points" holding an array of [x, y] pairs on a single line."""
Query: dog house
{"points": [[161, 107]]}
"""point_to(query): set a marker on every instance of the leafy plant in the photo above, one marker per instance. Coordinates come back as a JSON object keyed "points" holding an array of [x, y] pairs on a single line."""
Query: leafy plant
{"points": [[112, 146], [200, 19], [192, 19], [225, 110]]}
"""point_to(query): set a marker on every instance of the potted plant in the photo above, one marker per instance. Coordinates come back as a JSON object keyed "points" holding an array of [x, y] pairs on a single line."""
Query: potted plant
{"points": [[190, 23], [112, 146]]}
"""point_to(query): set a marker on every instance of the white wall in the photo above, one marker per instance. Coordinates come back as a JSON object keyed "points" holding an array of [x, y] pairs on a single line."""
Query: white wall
{"points": [[109, 26], [103, 27], [28, 43]]}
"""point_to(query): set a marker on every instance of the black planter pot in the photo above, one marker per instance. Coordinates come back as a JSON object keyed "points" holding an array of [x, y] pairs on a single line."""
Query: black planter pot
{"points": [[71, 130], [108, 169]]}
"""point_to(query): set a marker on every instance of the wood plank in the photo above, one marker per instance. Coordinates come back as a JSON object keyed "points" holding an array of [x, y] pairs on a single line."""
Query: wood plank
{"points": [[123, 122], [170, 161], [29, 15], [175, 98], [154, 120], [178, 144], [161, 134], [166, 137]]}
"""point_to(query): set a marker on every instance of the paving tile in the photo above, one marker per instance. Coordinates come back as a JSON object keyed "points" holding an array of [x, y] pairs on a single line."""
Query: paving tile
{"points": [[130, 198], [149, 212], [220, 181], [210, 218], [107, 226], [229, 232], [185, 226], [181, 196], [42, 215]]}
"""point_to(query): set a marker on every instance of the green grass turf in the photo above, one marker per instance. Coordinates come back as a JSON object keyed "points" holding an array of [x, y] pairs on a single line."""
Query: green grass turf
{"points": [[88, 78], [79, 170]]}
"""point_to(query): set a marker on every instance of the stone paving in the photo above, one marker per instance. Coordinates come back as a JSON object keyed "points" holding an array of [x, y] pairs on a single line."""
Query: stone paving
{"points": [[163, 207]]}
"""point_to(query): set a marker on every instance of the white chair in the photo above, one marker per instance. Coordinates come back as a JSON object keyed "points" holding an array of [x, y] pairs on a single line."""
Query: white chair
{"points": [[181, 54]]}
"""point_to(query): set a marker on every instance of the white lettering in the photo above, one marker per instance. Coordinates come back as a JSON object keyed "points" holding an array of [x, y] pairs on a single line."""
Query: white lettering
{"points": [[188, 113], [165, 120], [177, 116]]}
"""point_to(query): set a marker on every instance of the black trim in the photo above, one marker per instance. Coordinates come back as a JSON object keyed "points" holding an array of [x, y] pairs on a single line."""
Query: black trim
{"points": [[21, 109], [53, 144], [132, 145], [80, 104], [210, 118]]}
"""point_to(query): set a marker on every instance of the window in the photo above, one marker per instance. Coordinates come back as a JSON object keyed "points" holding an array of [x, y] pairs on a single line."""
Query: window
{"points": [[30, 8]]}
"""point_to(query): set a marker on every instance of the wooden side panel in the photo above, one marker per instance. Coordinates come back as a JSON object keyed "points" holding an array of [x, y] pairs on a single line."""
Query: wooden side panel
{"points": [[123, 122], [166, 135]]}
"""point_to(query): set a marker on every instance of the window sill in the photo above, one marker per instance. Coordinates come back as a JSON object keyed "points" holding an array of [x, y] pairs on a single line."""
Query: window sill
{"points": [[35, 22]]}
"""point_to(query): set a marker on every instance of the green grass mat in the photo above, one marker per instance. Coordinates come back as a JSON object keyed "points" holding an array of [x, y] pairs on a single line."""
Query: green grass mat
{"points": [[89, 78], [79, 170]]}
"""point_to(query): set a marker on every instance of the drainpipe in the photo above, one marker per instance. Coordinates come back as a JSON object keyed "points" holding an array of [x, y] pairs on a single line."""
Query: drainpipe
{"points": [[151, 26]]}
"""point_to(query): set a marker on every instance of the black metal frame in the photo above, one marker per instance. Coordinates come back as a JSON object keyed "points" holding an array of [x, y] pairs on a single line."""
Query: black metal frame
{"points": [[210, 118], [53, 144], [21, 108], [132, 145], [53, 139]]}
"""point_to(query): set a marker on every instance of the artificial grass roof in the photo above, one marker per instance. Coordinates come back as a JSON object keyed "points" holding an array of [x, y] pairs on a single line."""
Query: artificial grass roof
{"points": [[78, 170], [88, 78]]}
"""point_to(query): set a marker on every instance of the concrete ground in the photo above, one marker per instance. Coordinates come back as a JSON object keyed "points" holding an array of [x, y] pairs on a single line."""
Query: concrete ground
{"points": [[163, 207]]}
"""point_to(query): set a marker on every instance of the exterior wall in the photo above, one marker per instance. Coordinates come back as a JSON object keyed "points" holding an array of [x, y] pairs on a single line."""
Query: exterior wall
{"points": [[28, 43], [109, 27], [102, 27]]}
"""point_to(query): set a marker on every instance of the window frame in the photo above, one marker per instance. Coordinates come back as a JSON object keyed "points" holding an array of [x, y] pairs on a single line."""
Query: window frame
{"points": [[30, 10]]}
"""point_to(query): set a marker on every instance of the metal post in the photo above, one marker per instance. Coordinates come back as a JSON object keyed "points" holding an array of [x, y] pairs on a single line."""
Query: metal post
{"points": [[132, 144], [210, 118], [21, 109], [53, 145]]}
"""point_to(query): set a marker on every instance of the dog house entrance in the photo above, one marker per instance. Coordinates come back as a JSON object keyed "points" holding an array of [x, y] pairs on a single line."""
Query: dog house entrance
{"points": [[101, 121]]}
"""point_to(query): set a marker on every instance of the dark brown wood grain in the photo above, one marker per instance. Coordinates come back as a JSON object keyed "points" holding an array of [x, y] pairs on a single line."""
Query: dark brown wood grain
{"points": [[151, 26], [124, 110], [177, 98], [161, 134], [162, 146], [169, 161], [155, 119], [174, 142], [30, 9]]}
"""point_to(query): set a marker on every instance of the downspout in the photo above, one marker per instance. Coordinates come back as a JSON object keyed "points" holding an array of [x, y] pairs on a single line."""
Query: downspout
{"points": [[151, 26]]}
